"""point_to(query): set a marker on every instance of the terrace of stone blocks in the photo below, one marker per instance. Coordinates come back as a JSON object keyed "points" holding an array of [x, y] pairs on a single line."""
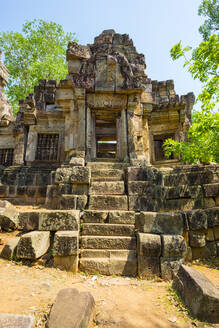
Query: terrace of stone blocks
{"points": [[83, 175]]}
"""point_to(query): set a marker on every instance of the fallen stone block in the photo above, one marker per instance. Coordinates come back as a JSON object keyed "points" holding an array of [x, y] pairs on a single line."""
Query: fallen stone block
{"points": [[8, 219], [173, 246], [65, 243], [5, 204], [160, 223], [198, 293], [9, 250], [16, 321], [170, 266], [59, 220], [33, 245], [71, 309], [28, 221]]}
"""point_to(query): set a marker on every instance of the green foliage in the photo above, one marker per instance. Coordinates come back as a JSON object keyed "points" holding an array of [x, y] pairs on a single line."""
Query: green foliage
{"points": [[203, 136], [203, 140], [36, 53], [210, 10]]}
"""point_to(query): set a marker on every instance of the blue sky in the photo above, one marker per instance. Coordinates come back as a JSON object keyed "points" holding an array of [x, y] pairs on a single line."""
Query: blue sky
{"points": [[154, 25]]}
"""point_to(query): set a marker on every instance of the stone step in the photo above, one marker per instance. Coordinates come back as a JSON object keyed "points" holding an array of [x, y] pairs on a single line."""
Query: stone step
{"points": [[107, 188], [109, 202], [114, 217], [105, 229], [108, 253], [118, 265], [106, 165], [107, 175], [106, 242]]}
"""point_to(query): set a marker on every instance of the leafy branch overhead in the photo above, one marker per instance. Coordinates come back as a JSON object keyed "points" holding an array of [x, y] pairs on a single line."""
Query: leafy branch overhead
{"points": [[36, 53], [202, 144]]}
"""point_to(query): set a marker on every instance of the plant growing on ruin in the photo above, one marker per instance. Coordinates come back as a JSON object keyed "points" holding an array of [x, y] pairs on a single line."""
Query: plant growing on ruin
{"points": [[202, 144], [36, 53]]}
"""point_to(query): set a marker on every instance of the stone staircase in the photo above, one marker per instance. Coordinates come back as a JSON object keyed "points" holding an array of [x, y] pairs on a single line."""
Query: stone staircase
{"points": [[107, 190], [108, 241]]}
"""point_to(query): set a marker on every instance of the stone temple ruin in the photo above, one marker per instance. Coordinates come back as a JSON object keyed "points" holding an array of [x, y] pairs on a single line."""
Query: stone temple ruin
{"points": [[89, 151]]}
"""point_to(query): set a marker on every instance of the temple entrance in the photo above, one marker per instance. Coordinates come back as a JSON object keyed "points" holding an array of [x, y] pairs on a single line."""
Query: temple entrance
{"points": [[106, 137], [106, 134]]}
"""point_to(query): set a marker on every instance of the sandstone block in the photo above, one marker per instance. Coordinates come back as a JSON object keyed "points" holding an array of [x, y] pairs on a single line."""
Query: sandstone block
{"points": [[94, 216], [197, 219], [211, 249], [143, 203], [9, 249], [170, 266], [58, 220], [126, 217], [68, 263], [65, 243], [211, 190], [210, 235], [182, 204], [197, 239], [107, 187], [173, 246], [33, 245], [105, 242], [28, 221], [16, 321], [145, 188], [63, 175], [108, 202], [144, 174], [103, 229], [148, 245], [160, 223], [121, 265], [76, 202], [216, 233], [8, 219], [71, 309], [76, 161], [80, 175], [184, 191], [212, 216], [217, 244], [148, 267], [107, 175], [209, 202], [198, 293]]}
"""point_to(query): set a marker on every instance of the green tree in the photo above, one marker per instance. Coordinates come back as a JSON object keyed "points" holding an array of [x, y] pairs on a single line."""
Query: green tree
{"points": [[202, 144], [36, 53]]}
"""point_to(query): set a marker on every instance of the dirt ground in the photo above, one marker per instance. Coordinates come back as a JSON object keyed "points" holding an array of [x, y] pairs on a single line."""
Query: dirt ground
{"points": [[121, 302]]}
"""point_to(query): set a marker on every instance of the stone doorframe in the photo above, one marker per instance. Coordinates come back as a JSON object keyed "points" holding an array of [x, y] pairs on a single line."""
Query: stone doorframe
{"points": [[121, 135], [111, 103]]}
